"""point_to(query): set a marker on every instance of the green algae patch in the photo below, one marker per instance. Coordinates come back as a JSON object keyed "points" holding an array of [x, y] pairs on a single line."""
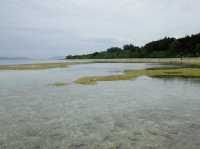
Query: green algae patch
{"points": [[94, 79], [38, 66], [59, 84], [131, 74]]}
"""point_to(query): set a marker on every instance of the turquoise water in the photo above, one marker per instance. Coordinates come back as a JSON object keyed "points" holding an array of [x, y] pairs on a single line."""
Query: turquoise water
{"points": [[144, 113]]}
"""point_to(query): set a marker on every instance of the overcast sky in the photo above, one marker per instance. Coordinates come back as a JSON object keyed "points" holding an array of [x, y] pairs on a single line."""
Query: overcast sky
{"points": [[45, 28]]}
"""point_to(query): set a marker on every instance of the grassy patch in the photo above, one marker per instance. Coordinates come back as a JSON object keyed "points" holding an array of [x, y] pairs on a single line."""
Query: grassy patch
{"points": [[156, 72], [59, 84], [33, 66]]}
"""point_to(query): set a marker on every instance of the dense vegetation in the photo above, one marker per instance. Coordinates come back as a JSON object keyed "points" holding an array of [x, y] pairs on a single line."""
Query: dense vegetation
{"points": [[188, 46]]}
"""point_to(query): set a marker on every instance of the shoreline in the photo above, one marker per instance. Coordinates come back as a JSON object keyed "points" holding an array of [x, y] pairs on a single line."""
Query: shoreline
{"points": [[194, 61], [67, 63]]}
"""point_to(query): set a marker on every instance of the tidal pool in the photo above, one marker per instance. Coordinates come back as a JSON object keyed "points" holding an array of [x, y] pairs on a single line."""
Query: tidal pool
{"points": [[143, 113]]}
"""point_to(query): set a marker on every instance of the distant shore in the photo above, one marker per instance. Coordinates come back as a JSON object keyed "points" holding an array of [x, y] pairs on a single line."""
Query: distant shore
{"points": [[64, 64], [189, 61]]}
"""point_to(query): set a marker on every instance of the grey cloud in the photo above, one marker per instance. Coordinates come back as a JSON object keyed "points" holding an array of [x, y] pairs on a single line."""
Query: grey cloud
{"points": [[49, 27]]}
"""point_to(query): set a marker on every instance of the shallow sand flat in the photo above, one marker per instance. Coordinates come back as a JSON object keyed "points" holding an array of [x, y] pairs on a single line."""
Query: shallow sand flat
{"points": [[65, 63], [33, 66]]}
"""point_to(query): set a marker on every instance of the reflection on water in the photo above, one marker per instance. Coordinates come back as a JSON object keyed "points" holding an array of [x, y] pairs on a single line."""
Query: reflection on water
{"points": [[145, 113]]}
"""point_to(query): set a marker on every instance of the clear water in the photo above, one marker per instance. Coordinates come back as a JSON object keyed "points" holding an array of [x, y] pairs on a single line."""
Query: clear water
{"points": [[144, 113]]}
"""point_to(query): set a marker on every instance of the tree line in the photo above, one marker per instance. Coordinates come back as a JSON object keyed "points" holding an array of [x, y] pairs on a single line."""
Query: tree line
{"points": [[188, 46]]}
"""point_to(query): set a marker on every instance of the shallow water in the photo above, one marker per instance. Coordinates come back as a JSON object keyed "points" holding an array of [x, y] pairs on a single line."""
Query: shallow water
{"points": [[144, 113]]}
